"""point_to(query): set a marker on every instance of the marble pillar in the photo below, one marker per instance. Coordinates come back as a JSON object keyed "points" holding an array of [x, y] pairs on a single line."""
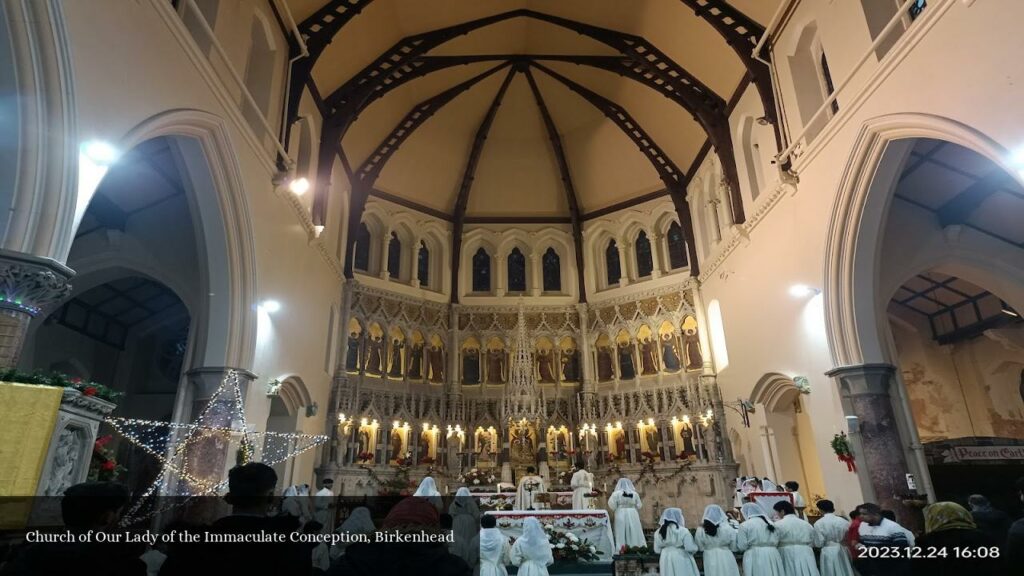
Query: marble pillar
{"points": [[28, 285], [865, 393]]}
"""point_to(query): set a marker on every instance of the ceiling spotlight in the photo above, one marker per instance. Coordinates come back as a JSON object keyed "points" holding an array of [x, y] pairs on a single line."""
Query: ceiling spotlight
{"points": [[100, 152], [318, 230], [270, 306], [1005, 309], [299, 186], [803, 291]]}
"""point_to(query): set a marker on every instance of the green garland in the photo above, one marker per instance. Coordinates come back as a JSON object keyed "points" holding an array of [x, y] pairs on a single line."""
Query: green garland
{"points": [[61, 381]]}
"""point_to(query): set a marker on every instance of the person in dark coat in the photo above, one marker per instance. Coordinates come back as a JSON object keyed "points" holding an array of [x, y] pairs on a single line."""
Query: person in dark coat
{"points": [[995, 523], [949, 528], [95, 506], [412, 517], [1014, 548]]}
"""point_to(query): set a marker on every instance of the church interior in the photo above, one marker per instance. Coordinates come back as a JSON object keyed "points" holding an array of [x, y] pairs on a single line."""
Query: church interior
{"points": [[677, 241]]}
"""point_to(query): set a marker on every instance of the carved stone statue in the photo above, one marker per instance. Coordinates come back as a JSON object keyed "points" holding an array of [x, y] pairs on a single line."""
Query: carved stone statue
{"points": [[544, 366], [435, 359], [424, 446], [396, 358], [653, 437], [416, 362], [648, 357], [570, 365], [604, 364], [484, 446], [364, 441], [352, 356], [374, 362], [691, 345], [65, 459], [669, 355], [496, 367], [396, 445], [471, 366], [627, 370]]}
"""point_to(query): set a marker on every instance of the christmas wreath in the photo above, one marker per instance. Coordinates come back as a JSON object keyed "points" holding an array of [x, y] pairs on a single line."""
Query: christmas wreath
{"points": [[841, 447]]}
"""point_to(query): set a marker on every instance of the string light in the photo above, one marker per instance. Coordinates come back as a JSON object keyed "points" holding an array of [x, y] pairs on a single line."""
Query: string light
{"points": [[221, 425]]}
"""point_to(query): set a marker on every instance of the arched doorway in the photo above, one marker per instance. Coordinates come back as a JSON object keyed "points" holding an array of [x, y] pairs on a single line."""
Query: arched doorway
{"points": [[289, 405], [784, 430]]}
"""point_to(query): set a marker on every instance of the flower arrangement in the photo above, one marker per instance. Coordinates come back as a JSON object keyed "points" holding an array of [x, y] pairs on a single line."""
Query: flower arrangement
{"points": [[568, 547], [104, 468], [476, 477], [841, 447], [86, 387], [364, 457], [564, 478], [634, 550], [397, 485]]}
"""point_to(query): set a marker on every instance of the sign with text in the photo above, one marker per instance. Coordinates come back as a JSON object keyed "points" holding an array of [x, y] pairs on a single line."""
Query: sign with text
{"points": [[971, 453]]}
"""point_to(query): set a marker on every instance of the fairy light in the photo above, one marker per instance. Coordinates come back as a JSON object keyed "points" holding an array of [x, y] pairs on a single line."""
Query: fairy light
{"points": [[223, 421]]}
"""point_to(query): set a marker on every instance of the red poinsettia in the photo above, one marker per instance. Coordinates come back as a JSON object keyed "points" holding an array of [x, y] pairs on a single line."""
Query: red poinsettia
{"points": [[108, 466], [90, 391], [103, 441], [76, 380]]}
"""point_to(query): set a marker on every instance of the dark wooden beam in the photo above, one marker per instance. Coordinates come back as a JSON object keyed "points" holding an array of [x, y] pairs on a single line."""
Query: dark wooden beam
{"points": [[567, 185], [368, 172], [958, 209], [517, 220], [674, 179], [462, 201], [410, 204]]}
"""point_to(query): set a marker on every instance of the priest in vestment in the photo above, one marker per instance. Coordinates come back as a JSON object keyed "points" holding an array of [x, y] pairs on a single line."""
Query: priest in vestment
{"points": [[582, 483], [528, 488]]}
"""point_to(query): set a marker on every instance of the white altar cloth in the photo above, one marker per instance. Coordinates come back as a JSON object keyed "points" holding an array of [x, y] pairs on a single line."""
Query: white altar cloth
{"points": [[591, 525], [498, 500]]}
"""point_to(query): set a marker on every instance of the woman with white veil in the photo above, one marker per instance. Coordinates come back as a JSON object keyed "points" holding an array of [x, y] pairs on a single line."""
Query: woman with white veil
{"points": [[428, 489], [531, 552], [494, 548], [625, 503], [290, 505], [675, 545], [358, 523], [759, 540], [717, 539], [465, 523]]}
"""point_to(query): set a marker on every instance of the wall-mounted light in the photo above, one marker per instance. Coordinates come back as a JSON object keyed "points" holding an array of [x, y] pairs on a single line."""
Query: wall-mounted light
{"points": [[299, 186], [99, 152], [318, 230], [803, 291], [270, 306]]}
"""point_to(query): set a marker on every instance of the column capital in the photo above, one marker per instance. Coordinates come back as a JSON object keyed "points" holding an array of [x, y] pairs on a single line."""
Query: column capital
{"points": [[864, 379], [29, 283]]}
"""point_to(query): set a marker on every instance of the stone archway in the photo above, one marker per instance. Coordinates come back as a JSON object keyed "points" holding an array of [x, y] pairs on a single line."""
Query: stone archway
{"points": [[787, 440]]}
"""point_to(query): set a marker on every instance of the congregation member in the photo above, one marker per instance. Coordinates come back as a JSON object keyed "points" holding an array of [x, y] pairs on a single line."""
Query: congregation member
{"points": [[92, 506], [797, 540], [831, 530], [798, 500], [494, 549], [411, 516], [716, 539], [582, 483], [675, 545], [876, 531], [531, 552], [465, 525], [948, 526], [1015, 536], [358, 522], [993, 522], [294, 504], [758, 539], [323, 504], [428, 489], [625, 504], [852, 540]]}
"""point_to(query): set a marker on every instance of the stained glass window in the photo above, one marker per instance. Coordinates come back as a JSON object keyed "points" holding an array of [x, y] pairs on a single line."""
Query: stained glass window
{"points": [[644, 261], [612, 264], [423, 265], [481, 271], [394, 256], [552, 271], [362, 256], [516, 271], [676, 247]]}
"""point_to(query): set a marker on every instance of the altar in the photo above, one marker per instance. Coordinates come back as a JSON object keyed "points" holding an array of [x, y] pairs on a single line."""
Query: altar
{"points": [[591, 525], [505, 500]]}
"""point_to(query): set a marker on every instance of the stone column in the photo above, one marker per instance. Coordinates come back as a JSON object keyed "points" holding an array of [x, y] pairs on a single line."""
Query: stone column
{"points": [[624, 267], [714, 394], [864, 390], [588, 384], [499, 276], [384, 251], [28, 284]]}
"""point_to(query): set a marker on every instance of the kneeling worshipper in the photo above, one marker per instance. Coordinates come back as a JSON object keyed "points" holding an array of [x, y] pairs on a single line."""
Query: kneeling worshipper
{"points": [[494, 548], [529, 486], [465, 525], [428, 489], [358, 522], [531, 552], [625, 503], [758, 539], [675, 545], [796, 541], [416, 518], [831, 530], [716, 538]]}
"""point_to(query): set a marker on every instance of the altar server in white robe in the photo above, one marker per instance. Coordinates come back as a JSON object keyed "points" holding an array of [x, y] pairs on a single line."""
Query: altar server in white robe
{"points": [[531, 552], [529, 486], [322, 504], [465, 524], [582, 483], [831, 530], [675, 545], [797, 540], [494, 548], [291, 505], [625, 503], [428, 489], [716, 538], [758, 539]]}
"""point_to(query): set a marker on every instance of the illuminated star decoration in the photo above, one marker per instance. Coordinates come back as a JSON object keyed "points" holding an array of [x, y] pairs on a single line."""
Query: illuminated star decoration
{"points": [[193, 455]]}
